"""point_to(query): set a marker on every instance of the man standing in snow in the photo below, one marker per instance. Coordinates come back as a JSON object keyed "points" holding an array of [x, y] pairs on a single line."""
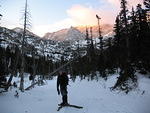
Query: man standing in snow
{"points": [[62, 82]]}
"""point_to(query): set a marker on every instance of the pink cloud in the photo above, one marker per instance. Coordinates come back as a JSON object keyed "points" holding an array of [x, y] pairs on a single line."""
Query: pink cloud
{"points": [[78, 15], [82, 15]]}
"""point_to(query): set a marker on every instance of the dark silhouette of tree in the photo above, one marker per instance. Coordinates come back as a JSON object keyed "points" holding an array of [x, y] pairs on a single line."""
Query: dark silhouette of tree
{"points": [[143, 34], [0, 16], [26, 24], [122, 28], [147, 3]]}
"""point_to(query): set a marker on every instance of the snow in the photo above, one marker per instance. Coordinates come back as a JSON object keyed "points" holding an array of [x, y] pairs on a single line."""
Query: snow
{"points": [[94, 96]]}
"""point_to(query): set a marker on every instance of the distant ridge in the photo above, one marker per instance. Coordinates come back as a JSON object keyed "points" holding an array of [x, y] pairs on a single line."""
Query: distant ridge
{"points": [[76, 33]]}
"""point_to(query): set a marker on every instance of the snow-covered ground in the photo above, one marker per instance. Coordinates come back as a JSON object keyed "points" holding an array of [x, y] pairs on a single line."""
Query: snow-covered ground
{"points": [[94, 96]]}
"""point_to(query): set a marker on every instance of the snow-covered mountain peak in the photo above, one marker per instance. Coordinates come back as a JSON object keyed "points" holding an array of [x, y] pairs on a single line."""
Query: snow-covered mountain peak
{"points": [[74, 34], [20, 30], [65, 35], [57, 36], [78, 33]]}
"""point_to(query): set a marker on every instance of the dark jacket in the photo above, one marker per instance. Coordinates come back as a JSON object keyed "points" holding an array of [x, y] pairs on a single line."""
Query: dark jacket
{"points": [[62, 81]]}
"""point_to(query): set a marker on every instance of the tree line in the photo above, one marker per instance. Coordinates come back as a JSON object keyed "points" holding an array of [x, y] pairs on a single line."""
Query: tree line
{"points": [[126, 53]]}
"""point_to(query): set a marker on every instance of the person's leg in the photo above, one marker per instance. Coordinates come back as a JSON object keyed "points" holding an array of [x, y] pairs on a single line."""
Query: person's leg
{"points": [[63, 99], [66, 99], [64, 96]]}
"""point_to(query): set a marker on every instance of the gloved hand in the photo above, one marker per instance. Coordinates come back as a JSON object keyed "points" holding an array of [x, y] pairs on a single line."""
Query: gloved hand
{"points": [[58, 92]]}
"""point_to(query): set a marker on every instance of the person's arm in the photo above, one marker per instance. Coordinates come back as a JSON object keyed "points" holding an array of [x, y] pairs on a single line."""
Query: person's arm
{"points": [[67, 80], [58, 83]]}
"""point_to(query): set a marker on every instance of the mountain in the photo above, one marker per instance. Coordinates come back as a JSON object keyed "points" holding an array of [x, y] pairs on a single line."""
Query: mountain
{"points": [[43, 47], [13, 38], [59, 35], [105, 29], [20, 30], [55, 45], [70, 34], [76, 33]]}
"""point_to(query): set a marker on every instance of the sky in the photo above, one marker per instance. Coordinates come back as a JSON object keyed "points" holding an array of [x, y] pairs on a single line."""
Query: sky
{"points": [[53, 15]]}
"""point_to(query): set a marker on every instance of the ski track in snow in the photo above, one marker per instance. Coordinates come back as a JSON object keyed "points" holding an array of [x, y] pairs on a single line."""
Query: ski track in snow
{"points": [[95, 97]]}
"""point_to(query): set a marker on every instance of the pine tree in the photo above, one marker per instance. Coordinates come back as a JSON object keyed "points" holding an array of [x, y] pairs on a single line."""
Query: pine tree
{"points": [[88, 44], [91, 44], [117, 37], [125, 21], [133, 31], [87, 38], [100, 34], [147, 3], [117, 29], [143, 37], [126, 69], [0, 16]]}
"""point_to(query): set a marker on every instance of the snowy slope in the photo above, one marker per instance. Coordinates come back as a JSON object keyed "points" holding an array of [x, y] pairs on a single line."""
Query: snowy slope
{"points": [[94, 96]]}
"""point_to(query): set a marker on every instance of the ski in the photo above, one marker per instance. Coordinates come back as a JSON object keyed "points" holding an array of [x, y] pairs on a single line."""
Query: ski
{"points": [[69, 105], [59, 108]]}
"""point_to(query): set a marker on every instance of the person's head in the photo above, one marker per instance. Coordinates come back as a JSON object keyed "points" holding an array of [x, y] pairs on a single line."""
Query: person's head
{"points": [[63, 73], [60, 72]]}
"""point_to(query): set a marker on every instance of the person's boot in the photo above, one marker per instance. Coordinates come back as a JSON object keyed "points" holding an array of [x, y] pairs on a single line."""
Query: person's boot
{"points": [[63, 101]]}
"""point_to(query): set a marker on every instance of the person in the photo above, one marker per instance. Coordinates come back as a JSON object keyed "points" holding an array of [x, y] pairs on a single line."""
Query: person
{"points": [[62, 82], [3, 79]]}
